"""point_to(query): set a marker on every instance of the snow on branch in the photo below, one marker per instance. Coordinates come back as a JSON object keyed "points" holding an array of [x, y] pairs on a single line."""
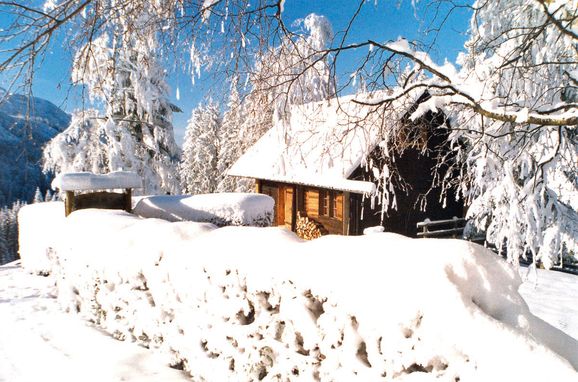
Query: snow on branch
{"points": [[447, 80]]}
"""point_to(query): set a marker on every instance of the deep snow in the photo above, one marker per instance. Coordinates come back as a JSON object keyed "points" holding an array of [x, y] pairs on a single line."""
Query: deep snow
{"points": [[245, 303], [66, 348], [39, 342]]}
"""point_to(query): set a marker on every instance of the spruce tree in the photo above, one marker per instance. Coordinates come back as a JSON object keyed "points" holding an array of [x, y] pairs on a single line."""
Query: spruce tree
{"points": [[230, 143], [37, 196], [199, 166]]}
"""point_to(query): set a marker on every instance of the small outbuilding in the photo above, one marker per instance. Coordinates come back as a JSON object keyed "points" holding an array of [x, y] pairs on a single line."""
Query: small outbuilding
{"points": [[87, 190], [324, 164]]}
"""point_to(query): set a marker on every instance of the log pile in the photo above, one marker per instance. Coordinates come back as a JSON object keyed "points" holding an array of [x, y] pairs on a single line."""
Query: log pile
{"points": [[308, 229]]}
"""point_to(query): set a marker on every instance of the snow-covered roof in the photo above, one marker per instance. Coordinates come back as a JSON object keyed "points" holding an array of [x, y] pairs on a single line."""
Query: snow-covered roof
{"points": [[84, 181], [322, 143]]}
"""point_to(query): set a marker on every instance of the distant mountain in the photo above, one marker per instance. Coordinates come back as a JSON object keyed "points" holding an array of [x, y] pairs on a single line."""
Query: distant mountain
{"points": [[23, 133]]}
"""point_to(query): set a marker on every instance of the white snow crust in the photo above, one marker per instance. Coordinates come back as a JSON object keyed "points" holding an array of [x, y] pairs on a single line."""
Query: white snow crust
{"points": [[84, 181], [248, 303], [38, 226], [221, 209], [321, 144], [40, 342], [553, 297]]}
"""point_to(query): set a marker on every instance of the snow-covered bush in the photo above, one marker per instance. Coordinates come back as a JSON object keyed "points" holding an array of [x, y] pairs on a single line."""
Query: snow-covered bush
{"points": [[247, 303], [221, 209]]}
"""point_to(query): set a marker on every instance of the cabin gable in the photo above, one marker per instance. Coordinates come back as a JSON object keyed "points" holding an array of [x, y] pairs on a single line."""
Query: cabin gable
{"points": [[313, 166]]}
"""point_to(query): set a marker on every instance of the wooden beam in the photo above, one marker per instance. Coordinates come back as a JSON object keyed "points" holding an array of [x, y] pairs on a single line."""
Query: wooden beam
{"points": [[128, 200], [69, 203], [346, 201], [294, 209]]}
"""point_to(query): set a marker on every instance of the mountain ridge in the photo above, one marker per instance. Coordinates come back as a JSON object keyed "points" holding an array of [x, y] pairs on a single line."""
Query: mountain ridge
{"points": [[25, 127]]}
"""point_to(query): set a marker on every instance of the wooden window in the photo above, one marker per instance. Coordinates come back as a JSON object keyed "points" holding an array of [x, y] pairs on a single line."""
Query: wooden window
{"points": [[324, 203], [330, 204], [333, 204], [338, 203]]}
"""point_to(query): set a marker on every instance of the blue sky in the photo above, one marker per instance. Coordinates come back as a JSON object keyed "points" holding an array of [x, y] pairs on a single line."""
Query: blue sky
{"points": [[381, 20]]}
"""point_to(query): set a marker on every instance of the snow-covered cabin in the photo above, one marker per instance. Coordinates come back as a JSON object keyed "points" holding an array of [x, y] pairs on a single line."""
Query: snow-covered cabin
{"points": [[323, 163]]}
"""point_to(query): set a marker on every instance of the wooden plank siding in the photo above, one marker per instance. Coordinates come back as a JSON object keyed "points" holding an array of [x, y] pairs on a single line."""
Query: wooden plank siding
{"points": [[292, 199], [100, 200], [311, 202]]}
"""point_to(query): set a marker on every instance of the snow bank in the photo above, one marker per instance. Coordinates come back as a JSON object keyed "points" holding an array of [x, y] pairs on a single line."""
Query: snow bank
{"points": [[39, 225], [221, 209], [84, 181], [248, 303]]}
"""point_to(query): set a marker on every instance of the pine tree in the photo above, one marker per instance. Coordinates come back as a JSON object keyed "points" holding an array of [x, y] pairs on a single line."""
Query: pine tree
{"points": [[199, 166], [231, 143], [37, 196], [9, 232], [135, 133], [4, 254]]}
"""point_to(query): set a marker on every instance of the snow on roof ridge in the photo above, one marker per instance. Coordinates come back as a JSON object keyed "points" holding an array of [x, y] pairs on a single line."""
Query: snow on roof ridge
{"points": [[84, 181]]}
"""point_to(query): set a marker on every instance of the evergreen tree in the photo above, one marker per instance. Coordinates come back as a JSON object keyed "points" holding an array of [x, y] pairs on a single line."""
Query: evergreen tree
{"points": [[199, 170], [4, 254], [231, 143], [9, 233], [135, 133], [37, 196]]}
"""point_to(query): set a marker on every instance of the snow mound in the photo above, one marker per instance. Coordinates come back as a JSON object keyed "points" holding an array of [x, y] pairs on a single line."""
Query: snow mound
{"points": [[39, 224], [84, 181], [248, 303], [221, 209]]}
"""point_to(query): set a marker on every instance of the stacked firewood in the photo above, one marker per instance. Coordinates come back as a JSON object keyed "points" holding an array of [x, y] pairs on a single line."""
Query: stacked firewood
{"points": [[308, 229]]}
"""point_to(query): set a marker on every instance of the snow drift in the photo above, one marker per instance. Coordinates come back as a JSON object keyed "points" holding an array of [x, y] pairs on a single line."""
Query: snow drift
{"points": [[221, 209], [247, 303], [39, 226]]}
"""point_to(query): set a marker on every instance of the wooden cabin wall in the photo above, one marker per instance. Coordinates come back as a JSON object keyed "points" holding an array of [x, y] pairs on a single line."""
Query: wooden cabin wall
{"points": [[416, 169], [332, 218], [290, 199]]}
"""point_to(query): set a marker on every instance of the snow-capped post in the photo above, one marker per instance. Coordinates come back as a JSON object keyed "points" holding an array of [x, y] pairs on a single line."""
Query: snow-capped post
{"points": [[98, 186]]}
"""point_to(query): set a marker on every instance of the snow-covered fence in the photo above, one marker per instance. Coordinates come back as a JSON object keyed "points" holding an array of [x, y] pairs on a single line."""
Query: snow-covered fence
{"points": [[225, 311], [442, 228]]}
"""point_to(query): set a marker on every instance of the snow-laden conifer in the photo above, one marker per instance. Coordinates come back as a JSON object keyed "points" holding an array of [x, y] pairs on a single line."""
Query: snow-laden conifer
{"points": [[134, 132], [199, 166], [232, 144], [38, 196]]}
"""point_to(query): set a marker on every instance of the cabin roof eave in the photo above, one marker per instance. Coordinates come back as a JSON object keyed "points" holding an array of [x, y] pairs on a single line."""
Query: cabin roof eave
{"points": [[347, 185]]}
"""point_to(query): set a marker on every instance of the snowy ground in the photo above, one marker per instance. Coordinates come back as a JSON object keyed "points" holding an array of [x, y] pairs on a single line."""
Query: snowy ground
{"points": [[553, 296], [39, 342]]}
